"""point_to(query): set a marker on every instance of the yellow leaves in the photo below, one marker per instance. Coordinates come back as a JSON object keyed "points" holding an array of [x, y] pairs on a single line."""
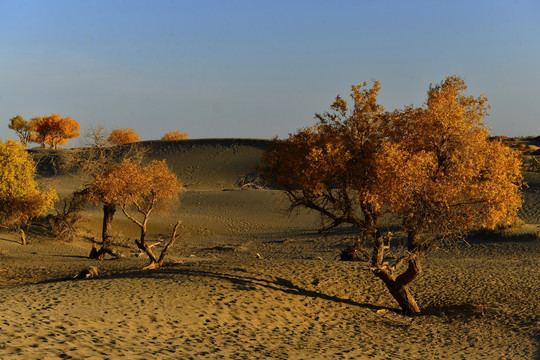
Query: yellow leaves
{"points": [[123, 136], [339, 105], [175, 135], [20, 198]]}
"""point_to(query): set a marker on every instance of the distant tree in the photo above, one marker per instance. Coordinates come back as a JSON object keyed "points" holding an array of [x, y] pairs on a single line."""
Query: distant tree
{"points": [[142, 188], [22, 128], [53, 130], [123, 136], [20, 198], [95, 136], [175, 135], [433, 168]]}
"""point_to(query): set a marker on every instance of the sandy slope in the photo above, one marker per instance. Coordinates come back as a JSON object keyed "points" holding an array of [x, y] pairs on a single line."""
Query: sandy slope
{"points": [[481, 302]]}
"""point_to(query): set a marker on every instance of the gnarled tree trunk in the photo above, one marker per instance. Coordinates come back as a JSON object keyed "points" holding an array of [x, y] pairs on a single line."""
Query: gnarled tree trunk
{"points": [[23, 236], [398, 285], [154, 264], [141, 244], [106, 235]]}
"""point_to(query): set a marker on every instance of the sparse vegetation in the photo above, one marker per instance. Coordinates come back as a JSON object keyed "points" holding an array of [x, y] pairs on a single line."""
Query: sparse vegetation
{"points": [[95, 136], [63, 222]]}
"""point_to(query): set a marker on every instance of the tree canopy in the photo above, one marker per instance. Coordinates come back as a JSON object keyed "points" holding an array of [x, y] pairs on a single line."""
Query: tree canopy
{"points": [[123, 136], [20, 198], [433, 167], [22, 128], [53, 130], [175, 135]]}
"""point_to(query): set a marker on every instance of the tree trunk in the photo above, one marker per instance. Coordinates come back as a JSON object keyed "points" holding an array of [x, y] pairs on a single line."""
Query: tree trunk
{"points": [[147, 250], [23, 236], [156, 264], [397, 285], [106, 234], [400, 291]]}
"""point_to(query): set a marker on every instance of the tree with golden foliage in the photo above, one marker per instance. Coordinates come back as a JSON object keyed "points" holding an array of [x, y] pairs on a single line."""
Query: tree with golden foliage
{"points": [[139, 188], [23, 129], [123, 136], [434, 168], [20, 198], [53, 130], [89, 164], [175, 135]]}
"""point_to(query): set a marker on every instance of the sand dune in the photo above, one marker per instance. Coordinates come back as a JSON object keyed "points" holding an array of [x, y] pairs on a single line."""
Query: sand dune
{"points": [[297, 302]]}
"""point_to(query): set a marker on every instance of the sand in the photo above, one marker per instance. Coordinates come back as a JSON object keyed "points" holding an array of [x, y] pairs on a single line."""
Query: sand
{"points": [[296, 302]]}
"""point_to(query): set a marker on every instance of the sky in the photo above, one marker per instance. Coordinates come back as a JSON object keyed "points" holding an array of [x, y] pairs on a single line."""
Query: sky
{"points": [[259, 69]]}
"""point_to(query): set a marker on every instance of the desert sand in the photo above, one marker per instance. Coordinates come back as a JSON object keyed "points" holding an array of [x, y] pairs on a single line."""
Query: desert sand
{"points": [[294, 301]]}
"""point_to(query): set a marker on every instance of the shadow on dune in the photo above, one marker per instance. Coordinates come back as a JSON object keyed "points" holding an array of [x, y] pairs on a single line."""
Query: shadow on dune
{"points": [[75, 256], [457, 311], [10, 240], [249, 283], [243, 283]]}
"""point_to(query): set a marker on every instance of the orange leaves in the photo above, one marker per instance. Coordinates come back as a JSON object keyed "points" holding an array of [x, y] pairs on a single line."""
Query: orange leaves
{"points": [[46, 130], [175, 135], [129, 184], [53, 130], [123, 136], [433, 166]]}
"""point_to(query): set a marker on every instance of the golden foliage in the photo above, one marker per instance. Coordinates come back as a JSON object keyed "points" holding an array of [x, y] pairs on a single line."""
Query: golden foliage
{"points": [[175, 135], [141, 188], [128, 184], [123, 136], [20, 198], [433, 166], [22, 127], [53, 130], [329, 167]]}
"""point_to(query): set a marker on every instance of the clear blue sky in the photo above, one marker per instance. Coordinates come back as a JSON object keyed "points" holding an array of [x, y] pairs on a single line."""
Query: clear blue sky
{"points": [[259, 68]]}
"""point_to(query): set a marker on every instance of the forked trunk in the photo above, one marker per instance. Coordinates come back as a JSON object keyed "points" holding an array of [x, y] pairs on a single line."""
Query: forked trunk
{"points": [[141, 244], [397, 285], [400, 292], [154, 264]]}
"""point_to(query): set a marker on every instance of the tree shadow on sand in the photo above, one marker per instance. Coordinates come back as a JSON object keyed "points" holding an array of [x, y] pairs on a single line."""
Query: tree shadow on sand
{"points": [[10, 240], [250, 283], [242, 282]]}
